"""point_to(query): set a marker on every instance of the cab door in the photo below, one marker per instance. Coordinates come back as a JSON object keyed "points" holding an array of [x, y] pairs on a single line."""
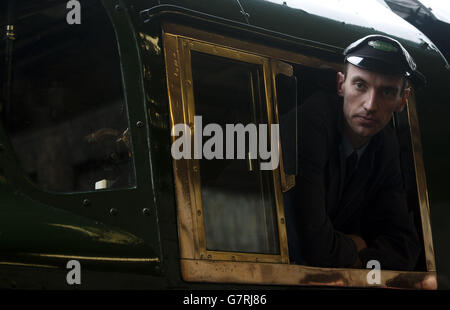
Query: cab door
{"points": [[75, 165]]}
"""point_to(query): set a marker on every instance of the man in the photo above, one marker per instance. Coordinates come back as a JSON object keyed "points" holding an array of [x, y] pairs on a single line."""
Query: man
{"points": [[350, 203]]}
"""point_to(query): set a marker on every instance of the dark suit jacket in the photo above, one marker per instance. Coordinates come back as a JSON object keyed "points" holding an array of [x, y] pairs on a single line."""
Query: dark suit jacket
{"points": [[372, 204]]}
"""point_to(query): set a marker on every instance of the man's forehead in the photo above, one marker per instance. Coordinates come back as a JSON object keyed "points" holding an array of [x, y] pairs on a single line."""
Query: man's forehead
{"points": [[373, 77]]}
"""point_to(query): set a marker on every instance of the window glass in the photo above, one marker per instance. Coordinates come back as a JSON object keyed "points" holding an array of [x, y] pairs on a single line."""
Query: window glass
{"points": [[237, 197], [67, 119]]}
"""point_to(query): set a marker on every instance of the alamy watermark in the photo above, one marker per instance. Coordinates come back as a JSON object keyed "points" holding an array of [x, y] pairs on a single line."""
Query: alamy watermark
{"points": [[213, 147], [74, 15], [74, 275], [374, 276]]}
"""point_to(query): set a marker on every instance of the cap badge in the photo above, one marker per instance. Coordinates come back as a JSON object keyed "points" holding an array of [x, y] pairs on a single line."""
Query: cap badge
{"points": [[383, 46]]}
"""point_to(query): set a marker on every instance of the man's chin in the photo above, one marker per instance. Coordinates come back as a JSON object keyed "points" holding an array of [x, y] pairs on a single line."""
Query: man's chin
{"points": [[366, 130], [366, 133]]}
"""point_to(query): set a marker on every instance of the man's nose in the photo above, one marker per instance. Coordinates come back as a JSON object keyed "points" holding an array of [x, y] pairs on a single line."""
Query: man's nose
{"points": [[370, 102]]}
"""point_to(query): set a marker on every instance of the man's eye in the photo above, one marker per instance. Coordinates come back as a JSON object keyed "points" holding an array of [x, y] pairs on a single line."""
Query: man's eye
{"points": [[389, 92], [359, 85]]}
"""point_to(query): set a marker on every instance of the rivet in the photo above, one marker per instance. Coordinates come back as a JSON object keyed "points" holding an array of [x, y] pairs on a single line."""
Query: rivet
{"points": [[209, 257], [139, 124], [146, 211], [233, 258], [282, 220], [118, 7], [199, 212], [113, 211], [113, 156], [86, 202]]}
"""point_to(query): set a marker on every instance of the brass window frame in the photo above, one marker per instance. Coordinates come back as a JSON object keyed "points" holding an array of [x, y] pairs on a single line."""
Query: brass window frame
{"points": [[201, 265], [191, 168]]}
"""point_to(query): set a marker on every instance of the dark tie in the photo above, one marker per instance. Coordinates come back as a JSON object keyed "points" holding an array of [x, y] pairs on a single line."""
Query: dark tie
{"points": [[350, 165]]}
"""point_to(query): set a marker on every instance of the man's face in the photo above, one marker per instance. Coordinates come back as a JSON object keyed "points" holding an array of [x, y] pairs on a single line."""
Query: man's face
{"points": [[370, 98]]}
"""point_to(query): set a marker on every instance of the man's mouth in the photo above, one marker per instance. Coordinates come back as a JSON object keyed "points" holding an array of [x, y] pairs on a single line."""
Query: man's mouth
{"points": [[366, 120]]}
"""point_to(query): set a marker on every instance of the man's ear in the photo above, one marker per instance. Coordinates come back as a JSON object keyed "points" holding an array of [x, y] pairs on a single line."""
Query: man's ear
{"points": [[405, 97], [339, 83]]}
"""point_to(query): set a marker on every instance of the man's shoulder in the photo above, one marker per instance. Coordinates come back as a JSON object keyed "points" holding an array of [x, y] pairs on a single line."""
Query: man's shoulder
{"points": [[321, 107]]}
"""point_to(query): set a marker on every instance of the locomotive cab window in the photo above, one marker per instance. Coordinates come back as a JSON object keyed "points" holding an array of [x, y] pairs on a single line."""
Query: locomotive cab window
{"points": [[64, 109], [238, 212], [235, 219]]}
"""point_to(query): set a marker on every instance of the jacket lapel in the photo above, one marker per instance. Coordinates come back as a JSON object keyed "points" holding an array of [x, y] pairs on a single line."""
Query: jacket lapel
{"points": [[348, 203]]}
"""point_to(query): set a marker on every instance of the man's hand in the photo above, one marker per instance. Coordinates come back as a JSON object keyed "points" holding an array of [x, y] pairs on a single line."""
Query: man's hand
{"points": [[360, 244]]}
